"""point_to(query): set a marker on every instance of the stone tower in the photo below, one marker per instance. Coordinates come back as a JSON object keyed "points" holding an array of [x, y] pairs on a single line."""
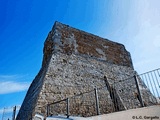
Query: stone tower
{"points": [[75, 62]]}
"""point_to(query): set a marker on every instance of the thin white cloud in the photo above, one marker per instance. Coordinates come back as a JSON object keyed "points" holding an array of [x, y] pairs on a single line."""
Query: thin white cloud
{"points": [[138, 29], [12, 77], [142, 35], [11, 84], [147, 47]]}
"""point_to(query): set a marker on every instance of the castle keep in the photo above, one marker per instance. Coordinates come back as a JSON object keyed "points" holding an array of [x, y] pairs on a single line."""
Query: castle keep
{"points": [[76, 62]]}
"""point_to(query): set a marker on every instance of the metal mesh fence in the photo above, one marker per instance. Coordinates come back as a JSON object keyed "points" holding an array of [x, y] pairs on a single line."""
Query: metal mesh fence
{"points": [[117, 95], [105, 102], [83, 104], [58, 108], [127, 92]]}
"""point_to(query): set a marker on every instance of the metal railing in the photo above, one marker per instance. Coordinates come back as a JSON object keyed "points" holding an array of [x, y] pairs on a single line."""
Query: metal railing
{"points": [[76, 105], [134, 92], [56, 105], [152, 81], [10, 113]]}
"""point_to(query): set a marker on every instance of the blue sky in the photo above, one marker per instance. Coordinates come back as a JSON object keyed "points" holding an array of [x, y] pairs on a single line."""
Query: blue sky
{"points": [[25, 24]]}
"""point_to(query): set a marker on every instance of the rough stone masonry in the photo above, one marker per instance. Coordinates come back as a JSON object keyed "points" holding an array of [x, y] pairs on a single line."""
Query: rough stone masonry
{"points": [[75, 62]]}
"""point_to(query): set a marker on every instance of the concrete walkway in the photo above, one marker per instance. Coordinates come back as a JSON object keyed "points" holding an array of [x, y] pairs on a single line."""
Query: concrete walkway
{"points": [[146, 113]]}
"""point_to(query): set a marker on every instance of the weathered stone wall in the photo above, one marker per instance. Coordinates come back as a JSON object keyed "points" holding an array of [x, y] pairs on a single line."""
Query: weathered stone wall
{"points": [[75, 62], [69, 40], [27, 109], [69, 75]]}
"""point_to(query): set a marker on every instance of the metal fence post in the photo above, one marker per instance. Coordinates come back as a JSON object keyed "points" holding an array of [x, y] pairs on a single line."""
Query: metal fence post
{"points": [[67, 107], [48, 110], [139, 93], [14, 113], [97, 101]]}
